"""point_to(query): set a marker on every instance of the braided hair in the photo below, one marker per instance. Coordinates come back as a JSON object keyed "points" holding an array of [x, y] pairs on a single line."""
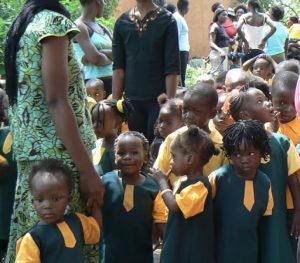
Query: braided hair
{"points": [[30, 9], [196, 140], [246, 132], [145, 143]]}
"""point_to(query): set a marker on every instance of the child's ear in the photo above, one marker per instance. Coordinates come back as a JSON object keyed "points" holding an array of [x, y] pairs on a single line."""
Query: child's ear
{"points": [[213, 113], [190, 158]]}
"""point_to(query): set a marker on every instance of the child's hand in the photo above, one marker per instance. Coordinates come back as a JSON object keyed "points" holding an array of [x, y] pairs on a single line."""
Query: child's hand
{"points": [[295, 231], [158, 176], [262, 45]]}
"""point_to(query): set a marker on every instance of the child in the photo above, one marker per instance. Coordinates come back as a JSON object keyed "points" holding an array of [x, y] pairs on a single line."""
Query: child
{"points": [[132, 203], [275, 240], [107, 117], [199, 107], [242, 193], [262, 66], [169, 120], [56, 237], [189, 233], [235, 78], [95, 91], [222, 119], [283, 96]]}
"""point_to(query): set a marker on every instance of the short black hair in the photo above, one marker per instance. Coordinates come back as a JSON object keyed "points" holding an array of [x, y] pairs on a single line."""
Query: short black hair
{"points": [[254, 3], [288, 65], [198, 141], [57, 168], [170, 7], [215, 6], [259, 83], [284, 79], [294, 19], [182, 5], [204, 91], [241, 6], [246, 132], [277, 12]]}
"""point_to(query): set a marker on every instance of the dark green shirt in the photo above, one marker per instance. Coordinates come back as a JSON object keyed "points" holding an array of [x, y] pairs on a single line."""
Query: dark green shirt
{"points": [[147, 52]]}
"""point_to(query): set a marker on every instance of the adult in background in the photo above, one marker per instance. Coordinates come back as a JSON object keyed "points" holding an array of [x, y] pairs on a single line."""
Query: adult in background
{"points": [[93, 45], [239, 10], [219, 42], [277, 44], [146, 61], [49, 115], [183, 36], [251, 29]]}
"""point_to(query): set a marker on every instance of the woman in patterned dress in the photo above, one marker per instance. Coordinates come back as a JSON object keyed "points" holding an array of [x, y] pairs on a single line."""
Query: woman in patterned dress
{"points": [[49, 114]]}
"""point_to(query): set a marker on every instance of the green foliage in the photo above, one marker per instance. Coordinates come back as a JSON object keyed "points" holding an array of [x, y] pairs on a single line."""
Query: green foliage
{"points": [[194, 70], [9, 9]]}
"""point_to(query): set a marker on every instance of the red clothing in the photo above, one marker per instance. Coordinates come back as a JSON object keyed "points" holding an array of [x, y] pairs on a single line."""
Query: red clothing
{"points": [[229, 28]]}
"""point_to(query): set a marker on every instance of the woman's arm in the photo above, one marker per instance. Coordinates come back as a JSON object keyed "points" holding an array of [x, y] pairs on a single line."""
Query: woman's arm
{"points": [[295, 190], [241, 34], [212, 41], [270, 23], [92, 55], [118, 80], [55, 78]]}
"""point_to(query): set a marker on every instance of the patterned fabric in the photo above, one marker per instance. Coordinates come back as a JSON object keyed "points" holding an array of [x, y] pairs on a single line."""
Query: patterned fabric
{"points": [[34, 133], [33, 130]]}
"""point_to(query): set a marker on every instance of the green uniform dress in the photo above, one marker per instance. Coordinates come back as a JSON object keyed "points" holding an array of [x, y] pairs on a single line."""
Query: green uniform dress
{"points": [[189, 234], [58, 243], [128, 215], [34, 133], [7, 183], [239, 204], [276, 244]]}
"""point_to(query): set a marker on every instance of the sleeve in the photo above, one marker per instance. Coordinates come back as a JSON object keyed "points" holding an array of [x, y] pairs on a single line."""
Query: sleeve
{"points": [[171, 49], [27, 250], [270, 204], [213, 182], [2, 159], [297, 96], [55, 24], [118, 48], [91, 229], [293, 159], [162, 161], [191, 199], [160, 211]]}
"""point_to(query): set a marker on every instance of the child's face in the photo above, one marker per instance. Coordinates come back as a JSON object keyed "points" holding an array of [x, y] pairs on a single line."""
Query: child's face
{"points": [[258, 107], [50, 197], [105, 121], [130, 155], [283, 101], [97, 93], [168, 122], [196, 110], [179, 164], [261, 68], [222, 120], [246, 160]]}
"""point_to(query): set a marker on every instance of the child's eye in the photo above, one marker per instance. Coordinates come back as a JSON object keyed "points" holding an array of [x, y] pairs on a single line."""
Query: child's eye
{"points": [[57, 198], [237, 155], [39, 200]]}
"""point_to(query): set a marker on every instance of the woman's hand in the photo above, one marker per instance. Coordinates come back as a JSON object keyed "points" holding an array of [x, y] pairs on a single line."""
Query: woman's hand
{"points": [[295, 231], [262, 44], [91, 189]]}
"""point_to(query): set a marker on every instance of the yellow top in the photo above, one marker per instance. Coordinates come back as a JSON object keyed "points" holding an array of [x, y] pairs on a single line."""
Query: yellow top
{"points": [[294, 31], [291, 130], [164, 156]]}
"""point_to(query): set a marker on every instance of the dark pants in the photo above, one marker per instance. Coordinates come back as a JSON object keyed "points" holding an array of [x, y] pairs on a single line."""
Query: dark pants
{"points": [[253, 53], [184, 59], [144, 116]]}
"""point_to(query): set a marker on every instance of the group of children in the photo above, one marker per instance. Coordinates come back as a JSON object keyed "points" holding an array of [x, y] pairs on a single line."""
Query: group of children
{"points": [[219, 183]]}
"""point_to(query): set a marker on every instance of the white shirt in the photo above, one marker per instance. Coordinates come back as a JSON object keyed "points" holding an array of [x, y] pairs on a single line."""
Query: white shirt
{"points": [[183, 32]]}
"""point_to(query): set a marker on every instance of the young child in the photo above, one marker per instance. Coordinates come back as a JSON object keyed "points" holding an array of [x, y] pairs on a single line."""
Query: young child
{"points": [[283, 96], [242, 194], [262, 66], [107, 117], [169, 120], [57, 237], [189, 234], [95, 91], [132, 203], [222, 119], [275, 239], [199, 107]]}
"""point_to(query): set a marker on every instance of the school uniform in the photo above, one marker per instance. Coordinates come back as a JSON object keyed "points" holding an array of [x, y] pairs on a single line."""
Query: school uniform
{"points": [[60, 243], [189, 234], [291, 129], [239, 204], [129, 212]]}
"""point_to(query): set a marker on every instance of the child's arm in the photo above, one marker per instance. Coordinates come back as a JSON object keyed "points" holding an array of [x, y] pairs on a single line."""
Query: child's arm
{"points": [[249, 63], [294, 186], [97, 214], [27, 250], [270, 59]]}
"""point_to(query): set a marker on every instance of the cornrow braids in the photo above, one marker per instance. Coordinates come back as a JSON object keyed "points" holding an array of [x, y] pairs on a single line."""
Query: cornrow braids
{"points": [[145, 144], [16, 31], [196, 140], [237, 102], [246, 132]]}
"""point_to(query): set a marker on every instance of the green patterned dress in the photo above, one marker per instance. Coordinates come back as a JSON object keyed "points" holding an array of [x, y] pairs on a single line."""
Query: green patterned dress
{"points": [[34, 133]]}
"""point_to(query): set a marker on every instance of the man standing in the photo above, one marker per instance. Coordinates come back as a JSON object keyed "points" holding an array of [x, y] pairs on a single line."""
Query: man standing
{"points": [[146, 61]]}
